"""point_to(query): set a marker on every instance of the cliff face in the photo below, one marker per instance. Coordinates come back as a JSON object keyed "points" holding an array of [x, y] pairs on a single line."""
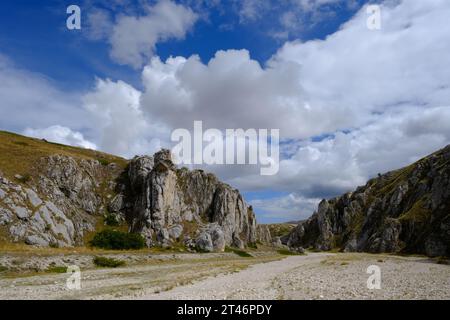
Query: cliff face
{"points": [[406, 210], [64, 198]]}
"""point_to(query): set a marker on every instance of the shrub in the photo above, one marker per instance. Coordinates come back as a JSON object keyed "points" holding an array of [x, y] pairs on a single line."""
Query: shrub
{"points": [[108, 262], [3, 268], [240, 253], [103, 161], [117, 240]]}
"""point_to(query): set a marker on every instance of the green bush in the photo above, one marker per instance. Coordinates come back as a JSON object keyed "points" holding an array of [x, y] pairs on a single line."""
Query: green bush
{"points": [[108, 262], [117, 240], [103, 161], [3, 268]]}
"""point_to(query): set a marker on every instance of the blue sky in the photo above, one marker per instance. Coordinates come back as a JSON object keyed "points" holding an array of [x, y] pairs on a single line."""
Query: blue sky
{"points": [[35, 34], [349, 101]]}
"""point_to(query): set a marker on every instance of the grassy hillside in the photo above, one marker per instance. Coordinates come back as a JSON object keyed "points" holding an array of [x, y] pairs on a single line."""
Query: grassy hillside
{"points": [[280, 229], [18, 153]]}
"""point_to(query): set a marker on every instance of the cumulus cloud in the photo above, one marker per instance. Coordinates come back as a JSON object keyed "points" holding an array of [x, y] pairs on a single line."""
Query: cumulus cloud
{"points": [[119, 122], [231, 91], [370, 71], [133, 38], [60, 134]]}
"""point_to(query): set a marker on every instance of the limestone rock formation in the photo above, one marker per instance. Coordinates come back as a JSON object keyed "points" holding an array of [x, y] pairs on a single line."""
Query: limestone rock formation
{"points": [[406, 210], [57, 206], [167, 202], [263, 234]]}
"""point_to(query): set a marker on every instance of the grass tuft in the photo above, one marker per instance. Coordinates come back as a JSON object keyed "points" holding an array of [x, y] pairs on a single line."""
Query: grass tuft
{"points": [[57, 269], [240, 253], [287, 252]]}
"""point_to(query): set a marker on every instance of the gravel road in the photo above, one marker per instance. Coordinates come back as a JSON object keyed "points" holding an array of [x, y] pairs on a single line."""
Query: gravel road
{"points": [[225, 276], [324, 276]]}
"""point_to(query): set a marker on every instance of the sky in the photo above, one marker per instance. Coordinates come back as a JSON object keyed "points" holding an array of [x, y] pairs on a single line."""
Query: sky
{"points": [[350, 101]]}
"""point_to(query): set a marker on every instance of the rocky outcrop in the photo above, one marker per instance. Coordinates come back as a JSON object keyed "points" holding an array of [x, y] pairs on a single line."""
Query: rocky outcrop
{"points": [[65, 198], [58, 205], [407, 210], [167, 202]]}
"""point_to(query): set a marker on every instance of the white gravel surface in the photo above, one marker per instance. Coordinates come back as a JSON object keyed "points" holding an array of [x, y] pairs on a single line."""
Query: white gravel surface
{"points": [[325, 276], [313, 276]]}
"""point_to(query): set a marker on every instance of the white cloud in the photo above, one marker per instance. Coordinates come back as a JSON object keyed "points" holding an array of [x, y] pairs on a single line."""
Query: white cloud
{"points": [[60, 134], [30, 99], [99, 24], [311, 5], [133, 38], [367, 71], [118, 120], [281, 209], [231, 91], [340, 163], [251, 10]]}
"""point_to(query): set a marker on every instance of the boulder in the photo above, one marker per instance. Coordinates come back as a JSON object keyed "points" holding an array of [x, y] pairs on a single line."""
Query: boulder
{"points": [[204, 242]]}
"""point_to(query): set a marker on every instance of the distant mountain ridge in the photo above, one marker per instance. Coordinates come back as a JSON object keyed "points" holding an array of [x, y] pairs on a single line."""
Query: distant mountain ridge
{"points": [[406, 211]]}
